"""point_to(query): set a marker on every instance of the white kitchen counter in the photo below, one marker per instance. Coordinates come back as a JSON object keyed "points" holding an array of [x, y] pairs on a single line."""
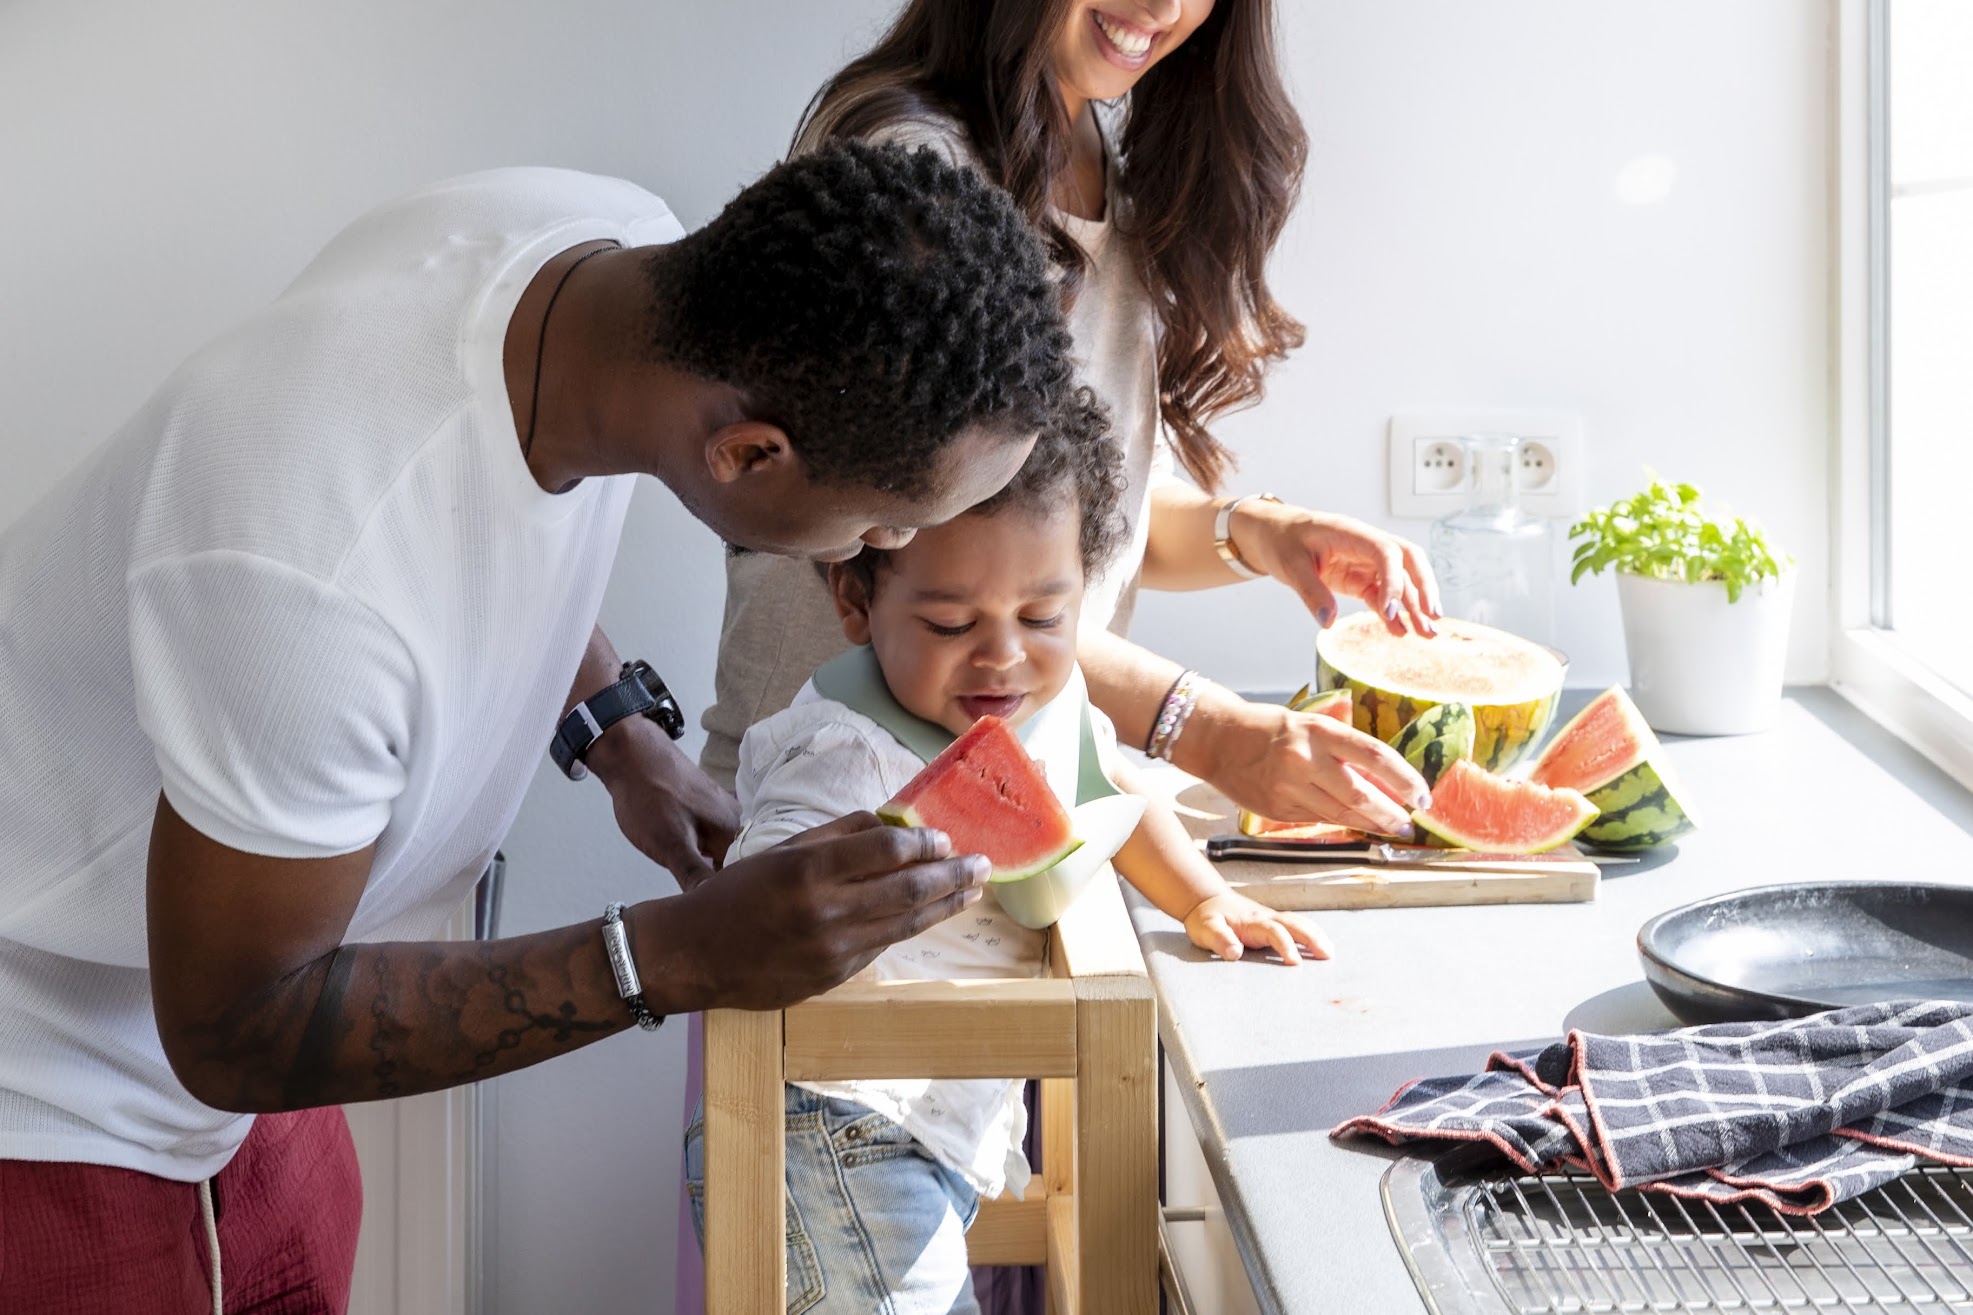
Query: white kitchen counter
{"points": [[1267, 1059]]}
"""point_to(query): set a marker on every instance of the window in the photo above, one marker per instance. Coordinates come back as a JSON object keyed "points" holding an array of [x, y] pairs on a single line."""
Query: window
{"points": [[1904, 312], [1928, 327]]}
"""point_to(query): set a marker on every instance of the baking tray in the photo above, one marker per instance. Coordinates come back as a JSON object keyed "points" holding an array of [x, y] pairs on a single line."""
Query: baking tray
{"points": [[1788, 950]]}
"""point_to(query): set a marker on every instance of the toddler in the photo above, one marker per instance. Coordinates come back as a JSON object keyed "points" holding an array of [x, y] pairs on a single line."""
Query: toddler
{"points": [[974, 617]]}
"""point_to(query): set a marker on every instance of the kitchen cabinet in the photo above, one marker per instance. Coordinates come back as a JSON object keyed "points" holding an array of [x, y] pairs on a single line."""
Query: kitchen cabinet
{"points": [[1265, 1059]]}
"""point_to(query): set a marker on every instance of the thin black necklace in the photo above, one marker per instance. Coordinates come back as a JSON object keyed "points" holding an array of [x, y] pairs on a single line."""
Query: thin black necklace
{"points": [[541, 347]]}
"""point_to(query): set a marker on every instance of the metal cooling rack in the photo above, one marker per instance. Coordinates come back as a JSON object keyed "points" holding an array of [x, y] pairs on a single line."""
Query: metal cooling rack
{"points": [[1563, 1245]]}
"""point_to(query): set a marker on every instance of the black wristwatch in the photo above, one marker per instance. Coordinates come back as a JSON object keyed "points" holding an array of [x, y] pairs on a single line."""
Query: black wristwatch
{"points": [[638, 690]]}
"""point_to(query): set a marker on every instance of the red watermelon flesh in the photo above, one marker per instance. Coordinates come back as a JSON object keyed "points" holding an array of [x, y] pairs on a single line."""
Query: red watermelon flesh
{"points": [[1474, 809], [991, 798], [1608, 752], [1600, 743]]}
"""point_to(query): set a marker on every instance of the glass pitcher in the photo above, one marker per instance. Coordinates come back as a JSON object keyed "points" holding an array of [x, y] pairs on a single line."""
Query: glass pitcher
{"points": [[1496, 563]]}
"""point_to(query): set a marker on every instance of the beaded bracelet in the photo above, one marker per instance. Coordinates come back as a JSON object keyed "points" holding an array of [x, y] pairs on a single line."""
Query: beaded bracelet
{"points": [[1180, 699]]}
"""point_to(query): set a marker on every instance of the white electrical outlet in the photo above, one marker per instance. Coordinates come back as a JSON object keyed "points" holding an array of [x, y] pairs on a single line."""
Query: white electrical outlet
{"points": [[1428, 464]]}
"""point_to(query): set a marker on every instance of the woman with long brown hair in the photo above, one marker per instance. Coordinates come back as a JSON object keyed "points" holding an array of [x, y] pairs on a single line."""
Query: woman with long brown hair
{"points": [[1153, 146]]}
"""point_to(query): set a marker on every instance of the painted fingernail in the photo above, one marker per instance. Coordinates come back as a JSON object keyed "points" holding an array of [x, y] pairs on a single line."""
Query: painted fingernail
{"points": [[1391, 610], [1424, 799], [1325, 617]]}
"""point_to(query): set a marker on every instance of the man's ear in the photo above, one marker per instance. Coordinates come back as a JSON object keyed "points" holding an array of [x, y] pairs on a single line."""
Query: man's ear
{"points": [[852, 598], [747, 447]]}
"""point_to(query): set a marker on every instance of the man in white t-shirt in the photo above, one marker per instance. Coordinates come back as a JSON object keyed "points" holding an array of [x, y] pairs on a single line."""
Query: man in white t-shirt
{"points": [[278, 662]]}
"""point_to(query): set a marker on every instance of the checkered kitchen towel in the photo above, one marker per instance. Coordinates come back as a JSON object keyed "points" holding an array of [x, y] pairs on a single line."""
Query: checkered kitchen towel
{"points": [[1800, 1114]]}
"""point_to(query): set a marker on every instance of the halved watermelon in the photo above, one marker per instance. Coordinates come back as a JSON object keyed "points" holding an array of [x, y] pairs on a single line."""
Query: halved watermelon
{"points": [[1474, 809], [1609, 754], [1334, 703], [990, 798], [1510, 684]]}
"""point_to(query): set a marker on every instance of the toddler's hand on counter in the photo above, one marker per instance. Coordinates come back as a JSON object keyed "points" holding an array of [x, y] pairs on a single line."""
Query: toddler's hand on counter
{"points": [[1230, 924]]}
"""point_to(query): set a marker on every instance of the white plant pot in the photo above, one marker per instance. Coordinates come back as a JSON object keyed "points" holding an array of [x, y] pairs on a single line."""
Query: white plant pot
{"points": [[1700, 665]]}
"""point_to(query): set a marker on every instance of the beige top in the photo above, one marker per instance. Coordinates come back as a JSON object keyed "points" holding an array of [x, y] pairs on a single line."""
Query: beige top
{"points": [[780, 624]]}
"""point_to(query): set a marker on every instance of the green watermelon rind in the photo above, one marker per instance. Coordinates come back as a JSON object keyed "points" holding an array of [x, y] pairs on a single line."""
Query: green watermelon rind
{"points": [[909, 816], [1103, 827], [1315, 701], [1637, 811], [1436, 739], [1003, 877], [1504, 734], [1639, 805]]}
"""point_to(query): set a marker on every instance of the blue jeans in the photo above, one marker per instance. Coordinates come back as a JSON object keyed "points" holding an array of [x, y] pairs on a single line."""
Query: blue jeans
{"points": [[875, 1224]]}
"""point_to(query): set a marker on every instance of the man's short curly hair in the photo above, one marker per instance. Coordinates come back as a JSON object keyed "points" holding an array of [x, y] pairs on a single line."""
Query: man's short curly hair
{"points": [[1076, 462], [874, 303]]}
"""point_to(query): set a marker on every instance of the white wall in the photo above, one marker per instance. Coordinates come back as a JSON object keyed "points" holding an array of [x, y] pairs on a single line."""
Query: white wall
{"points": [[1460, 245], [165, 168]]}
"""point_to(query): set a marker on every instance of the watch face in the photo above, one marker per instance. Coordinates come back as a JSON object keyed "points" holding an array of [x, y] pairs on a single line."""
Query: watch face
{"points": [[664, 709]]}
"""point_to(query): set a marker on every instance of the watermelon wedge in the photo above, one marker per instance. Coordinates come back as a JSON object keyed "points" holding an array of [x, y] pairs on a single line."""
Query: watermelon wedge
{"points": [[1474, 809], [990, 798], [1103, 825], [1314, 833], [1440, 736], [1609, 754]]}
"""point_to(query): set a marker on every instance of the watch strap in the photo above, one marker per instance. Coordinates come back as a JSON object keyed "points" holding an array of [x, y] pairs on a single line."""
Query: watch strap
{"points": [[638, 691]]}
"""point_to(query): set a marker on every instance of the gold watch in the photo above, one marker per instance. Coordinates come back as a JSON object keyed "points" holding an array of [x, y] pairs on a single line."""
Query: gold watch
{"points": [[1223, 536]]}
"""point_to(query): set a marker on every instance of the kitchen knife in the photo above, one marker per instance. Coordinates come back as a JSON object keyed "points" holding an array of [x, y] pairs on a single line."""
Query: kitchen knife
{"points": [[1223, 848]]}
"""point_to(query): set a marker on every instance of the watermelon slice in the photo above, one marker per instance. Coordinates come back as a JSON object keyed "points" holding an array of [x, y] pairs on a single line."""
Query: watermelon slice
{"points": [[990, 798], [1441, 736], [1609, 754], [1314, 833], [1103, 825], [1510, 684], [1474, 809]]}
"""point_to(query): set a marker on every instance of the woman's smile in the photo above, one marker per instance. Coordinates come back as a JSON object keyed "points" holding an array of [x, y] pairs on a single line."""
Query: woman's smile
{"points": [[1123, 44]]}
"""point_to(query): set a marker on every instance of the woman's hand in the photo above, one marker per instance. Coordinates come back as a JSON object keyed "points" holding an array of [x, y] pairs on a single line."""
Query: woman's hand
{"points": [[1320, 555], [1298, 767], [1229, 924]]}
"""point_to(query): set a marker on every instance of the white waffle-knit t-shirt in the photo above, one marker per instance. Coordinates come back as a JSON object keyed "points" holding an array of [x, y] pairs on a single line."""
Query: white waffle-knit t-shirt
{"points": [[312, 592]]}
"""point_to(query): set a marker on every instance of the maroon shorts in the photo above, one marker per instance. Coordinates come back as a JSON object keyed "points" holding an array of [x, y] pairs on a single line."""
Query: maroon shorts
{"points": [[77, 1239]]}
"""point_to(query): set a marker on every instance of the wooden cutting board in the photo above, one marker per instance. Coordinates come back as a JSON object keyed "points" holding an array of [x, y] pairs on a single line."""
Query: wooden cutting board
{"points": [[1206, 812]]}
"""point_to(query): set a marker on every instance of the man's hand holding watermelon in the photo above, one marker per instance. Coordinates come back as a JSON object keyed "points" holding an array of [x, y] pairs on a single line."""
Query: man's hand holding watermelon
{"points": [[795, 920]]}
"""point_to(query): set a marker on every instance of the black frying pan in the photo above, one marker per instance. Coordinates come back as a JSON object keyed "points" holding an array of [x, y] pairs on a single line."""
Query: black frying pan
{"points": [[1785, 951]]}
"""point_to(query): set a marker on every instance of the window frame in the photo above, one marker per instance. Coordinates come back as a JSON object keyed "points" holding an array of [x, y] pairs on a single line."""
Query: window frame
{"points": [[1868, 664]]}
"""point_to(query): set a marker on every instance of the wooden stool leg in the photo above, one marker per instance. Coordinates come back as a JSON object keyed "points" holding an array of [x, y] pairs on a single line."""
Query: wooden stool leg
{"points": [[1058, 1176], [746, 1211], [1116, 1138]]}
